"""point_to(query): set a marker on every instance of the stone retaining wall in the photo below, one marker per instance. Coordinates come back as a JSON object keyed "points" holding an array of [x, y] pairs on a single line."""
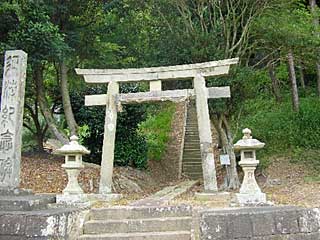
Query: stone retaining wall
{"points": [[43, 224], [261, 223]]}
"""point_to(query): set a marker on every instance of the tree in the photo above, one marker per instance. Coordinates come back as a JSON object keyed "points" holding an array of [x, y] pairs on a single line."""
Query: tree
{"points": [[41, 39], [285, 31], [315, 16]]}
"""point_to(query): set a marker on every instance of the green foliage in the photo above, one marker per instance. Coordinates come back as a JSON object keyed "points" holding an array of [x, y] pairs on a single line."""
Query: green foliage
{"points": [[29, 144], [287, 25], [283, 130], [156, 129], [130, 148]]}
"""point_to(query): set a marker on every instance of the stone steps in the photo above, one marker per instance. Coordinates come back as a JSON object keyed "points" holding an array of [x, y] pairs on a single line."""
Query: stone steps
{"points": [[173, 235], [139, 222], [139, 212], [191, 161], [138, 225]]}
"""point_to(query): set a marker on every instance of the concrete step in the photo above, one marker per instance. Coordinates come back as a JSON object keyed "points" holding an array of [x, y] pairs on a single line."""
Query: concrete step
{"points": [[138, 225], [188, 152], [192, 164], [192, 170], [191, 155], [192, 125], [193, 142], [192, 150], [192, 139], [197, 161], [25, 202], [191, 145], [192, 130], [129, 212], [193, 175], [173, 235], [191, 158], [192, 136]]}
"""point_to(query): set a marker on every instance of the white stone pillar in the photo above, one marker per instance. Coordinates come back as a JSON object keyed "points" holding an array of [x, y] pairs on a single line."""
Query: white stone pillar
{"points": [[208, 165], [11, 118], [109, 140]]}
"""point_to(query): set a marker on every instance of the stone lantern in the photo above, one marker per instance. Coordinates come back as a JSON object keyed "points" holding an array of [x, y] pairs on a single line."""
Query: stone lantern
{"points": [[73, 164], [250, 192]]}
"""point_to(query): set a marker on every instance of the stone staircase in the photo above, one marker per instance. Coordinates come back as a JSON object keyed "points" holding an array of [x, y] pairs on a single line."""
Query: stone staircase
{"points": [[136, 223], [191, 160]]}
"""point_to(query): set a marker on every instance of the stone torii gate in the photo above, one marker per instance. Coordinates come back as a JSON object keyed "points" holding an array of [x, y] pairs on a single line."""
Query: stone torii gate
{"points": [[113, 99]]}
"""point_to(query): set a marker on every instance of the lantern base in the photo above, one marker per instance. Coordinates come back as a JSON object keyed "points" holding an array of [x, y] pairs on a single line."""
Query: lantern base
{"points": [[73, 200], [251, 199], [85, 200]]}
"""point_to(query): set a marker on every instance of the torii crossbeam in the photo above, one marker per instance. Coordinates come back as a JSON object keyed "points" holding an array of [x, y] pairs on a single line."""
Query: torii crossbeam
{"points": [[154, 75]]}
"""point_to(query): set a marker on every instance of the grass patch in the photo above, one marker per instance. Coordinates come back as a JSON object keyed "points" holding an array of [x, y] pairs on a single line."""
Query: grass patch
{"points": [[156, 129], [284, 131], [312, 179]]}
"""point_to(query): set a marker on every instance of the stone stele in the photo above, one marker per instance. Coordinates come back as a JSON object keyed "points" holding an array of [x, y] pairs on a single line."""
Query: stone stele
{"points": [[11, 117]]}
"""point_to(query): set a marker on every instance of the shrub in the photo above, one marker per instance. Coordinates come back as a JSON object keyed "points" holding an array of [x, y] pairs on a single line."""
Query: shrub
{"points": [[129, 147], [156, 128]]}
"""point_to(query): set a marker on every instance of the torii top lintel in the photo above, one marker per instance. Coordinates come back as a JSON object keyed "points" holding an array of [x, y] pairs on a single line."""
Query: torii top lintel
{"points": [[206, 69]]}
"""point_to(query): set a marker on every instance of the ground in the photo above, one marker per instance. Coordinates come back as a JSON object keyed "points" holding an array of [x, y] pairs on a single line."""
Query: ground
{"points": [[284, 182], [291, 183], [43, 174]]}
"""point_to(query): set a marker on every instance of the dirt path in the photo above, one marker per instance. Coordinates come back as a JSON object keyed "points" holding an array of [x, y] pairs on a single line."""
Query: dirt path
{"points": [[286, 184]]}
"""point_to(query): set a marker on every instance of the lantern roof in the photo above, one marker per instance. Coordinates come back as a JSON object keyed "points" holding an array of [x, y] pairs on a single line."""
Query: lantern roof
{"points": [[247, 142], [73, 147]]}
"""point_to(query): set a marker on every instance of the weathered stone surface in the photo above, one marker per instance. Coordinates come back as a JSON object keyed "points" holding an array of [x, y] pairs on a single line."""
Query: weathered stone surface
{"points": [[133, 212], [156, 96], [165, 195], [12, 224], [214, 227], [138, 225], [261, 223], [25, 203], [11, 117], [157, 73], [191, 158], [240, 226], [208, 164], [40, 224], [105, 186], [173, 235], [287, 222], [250, 192], [309, 220]]}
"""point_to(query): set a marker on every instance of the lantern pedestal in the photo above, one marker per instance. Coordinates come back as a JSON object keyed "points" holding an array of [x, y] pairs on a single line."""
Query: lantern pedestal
{"points": [[73, 186], [250, 192]]}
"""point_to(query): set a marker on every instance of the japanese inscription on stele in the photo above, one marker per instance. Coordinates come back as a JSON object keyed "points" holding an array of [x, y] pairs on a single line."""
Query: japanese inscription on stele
{"points": [[11, 117]]}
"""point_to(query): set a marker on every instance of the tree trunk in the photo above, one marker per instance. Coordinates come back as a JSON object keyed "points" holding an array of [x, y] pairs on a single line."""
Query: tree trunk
{"points": [[301, 73], [44, 106], [313, 7], [275, 82], [293, 79], [222, 126], [63, 72]]}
